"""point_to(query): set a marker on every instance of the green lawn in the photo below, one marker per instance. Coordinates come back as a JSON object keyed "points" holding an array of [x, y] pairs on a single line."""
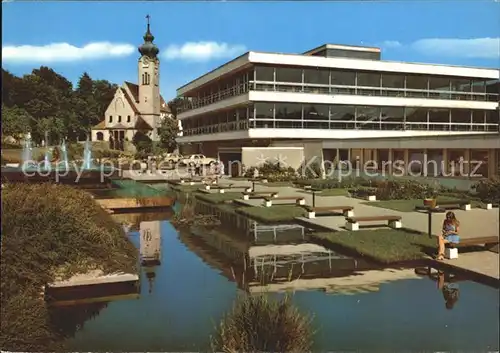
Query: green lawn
{"points": [[381, 245], [409, 205], [219, 198], [227, 207], [185, 187], [276, 213]]}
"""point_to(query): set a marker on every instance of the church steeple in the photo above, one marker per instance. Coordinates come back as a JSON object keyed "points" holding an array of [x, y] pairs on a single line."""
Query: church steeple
{"points": [[148, 48]]}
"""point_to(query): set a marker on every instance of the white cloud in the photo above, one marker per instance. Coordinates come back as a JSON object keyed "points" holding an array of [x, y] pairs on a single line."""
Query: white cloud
{"points": [[203, 51], [391, 44], [483, 48], [64, 52], [478, 48]]}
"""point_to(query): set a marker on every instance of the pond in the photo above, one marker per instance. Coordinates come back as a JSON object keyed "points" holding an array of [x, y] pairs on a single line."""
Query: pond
{"points": [[356, 306]]}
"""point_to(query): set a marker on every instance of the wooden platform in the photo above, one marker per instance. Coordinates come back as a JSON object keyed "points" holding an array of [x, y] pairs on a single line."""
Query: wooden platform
{"points": [[135, 203], [94, 278]]}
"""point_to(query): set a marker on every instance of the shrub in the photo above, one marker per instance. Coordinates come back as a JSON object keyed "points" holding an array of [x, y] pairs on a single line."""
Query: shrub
{"points": [[272, 172], [311, 171], [344, 183], [488, 190], [75, 151], [404, 190], [48, 231], [260, 324]]}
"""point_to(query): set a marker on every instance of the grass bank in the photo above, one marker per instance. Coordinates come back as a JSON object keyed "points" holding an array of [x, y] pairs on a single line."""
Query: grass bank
{"points": [[409, 205], [51, 231], [217, 198], [275, 213], [332, 192], [382, 245]]}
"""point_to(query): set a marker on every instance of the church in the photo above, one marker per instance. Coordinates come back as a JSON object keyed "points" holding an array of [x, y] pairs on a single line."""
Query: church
{"points": [[136, 107]]}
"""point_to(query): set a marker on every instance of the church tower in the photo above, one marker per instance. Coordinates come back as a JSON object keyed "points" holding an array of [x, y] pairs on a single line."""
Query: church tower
{"points": [[149, 81]]}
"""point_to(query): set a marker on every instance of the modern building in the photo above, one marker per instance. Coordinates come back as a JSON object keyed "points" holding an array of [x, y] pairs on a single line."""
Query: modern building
{"points": [[339, 102], [136, 107]]}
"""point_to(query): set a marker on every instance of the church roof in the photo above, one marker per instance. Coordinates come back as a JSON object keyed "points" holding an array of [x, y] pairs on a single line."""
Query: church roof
{"points": [[100, 126], [130, 101], [119, 126], [164, 108], [134, 89]]}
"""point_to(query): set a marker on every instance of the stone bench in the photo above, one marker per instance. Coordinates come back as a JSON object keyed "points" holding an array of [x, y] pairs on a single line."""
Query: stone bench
{"points": [[490, 205], [347, 211], [352, 223], [209, 182], [268, 200], [454, 204], [259, 195], [217, 187], [451, 249], [188, 181]]}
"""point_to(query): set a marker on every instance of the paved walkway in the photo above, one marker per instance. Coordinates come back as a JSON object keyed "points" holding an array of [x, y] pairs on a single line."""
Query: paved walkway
{"points": [[482, 262], [474, 223]]}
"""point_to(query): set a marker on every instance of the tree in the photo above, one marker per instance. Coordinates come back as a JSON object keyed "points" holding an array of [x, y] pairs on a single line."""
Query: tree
{"points": [[142, 143], [167, 132], [104, 92], [50, 102], [85, 86], [174, 105]]}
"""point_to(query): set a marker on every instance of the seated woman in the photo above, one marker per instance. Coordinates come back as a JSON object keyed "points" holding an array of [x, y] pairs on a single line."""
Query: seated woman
{"points": [[449, 234]]}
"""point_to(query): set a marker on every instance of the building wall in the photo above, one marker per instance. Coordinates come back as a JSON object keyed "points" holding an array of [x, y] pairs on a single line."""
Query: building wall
{"points": [[105, 135], [120, 111], [149, 86], [286, 156]]}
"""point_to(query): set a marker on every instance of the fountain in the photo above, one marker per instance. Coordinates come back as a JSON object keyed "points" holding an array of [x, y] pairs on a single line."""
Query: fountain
{"points": [[87, 156], [27, 154], [64, 153], [55, 167], [46, 160]]}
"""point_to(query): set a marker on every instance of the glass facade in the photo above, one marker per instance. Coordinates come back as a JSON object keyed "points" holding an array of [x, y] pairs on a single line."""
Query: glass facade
{"points": [[338, 81], [324, 116]]}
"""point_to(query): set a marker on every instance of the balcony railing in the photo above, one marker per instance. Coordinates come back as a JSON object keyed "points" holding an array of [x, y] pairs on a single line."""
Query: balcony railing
{"points": [[217, 128], [194, 103], [338, 125]]}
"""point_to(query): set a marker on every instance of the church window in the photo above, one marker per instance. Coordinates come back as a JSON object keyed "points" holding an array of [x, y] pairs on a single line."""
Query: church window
{"points": [[111, 118], [146, 79], [128, 118], [119, 118]]}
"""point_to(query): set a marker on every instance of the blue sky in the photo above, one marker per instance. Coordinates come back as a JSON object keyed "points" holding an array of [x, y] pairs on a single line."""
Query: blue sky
{"points": [[195, 37]]}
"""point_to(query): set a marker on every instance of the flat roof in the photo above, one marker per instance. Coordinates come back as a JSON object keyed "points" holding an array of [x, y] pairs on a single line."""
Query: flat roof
{"points": [[342, 47], [287, 59]]}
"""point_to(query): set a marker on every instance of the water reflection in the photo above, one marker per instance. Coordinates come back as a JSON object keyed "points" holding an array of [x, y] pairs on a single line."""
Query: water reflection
{"points": [[275, 258], [150, 242], [69, 319], [131, 221], [197, 277], [447, 283]]}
